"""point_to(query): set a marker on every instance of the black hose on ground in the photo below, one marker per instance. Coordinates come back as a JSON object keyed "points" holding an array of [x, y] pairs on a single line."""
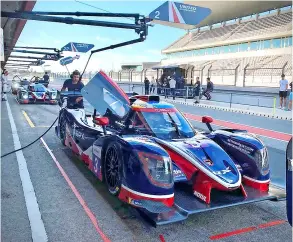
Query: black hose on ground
{"points": [[9, 153]]}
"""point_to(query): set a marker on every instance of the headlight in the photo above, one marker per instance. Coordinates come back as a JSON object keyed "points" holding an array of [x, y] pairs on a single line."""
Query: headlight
{"points": [[15, 85], [157, 168], [262, 160], [54, 95], [25, 96]]}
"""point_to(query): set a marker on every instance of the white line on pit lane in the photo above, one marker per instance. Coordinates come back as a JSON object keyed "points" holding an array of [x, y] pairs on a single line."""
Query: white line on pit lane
{"points": [[37, 225]]}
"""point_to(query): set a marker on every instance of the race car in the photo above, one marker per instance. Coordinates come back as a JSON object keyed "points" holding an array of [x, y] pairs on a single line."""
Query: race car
{"points": [[151, 157], [18, 82], [36, 93]]}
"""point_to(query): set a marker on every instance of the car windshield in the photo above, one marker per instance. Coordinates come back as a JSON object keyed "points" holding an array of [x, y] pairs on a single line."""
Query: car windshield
{"points": [[162, 124], [39, 88]]}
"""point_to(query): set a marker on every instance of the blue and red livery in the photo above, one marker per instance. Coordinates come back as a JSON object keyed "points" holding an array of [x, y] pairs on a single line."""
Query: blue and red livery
{"points": [[151, 157]]}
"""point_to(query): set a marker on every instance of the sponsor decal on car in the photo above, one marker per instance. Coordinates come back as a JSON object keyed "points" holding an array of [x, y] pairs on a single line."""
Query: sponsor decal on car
{"points": [[134, 202], [177, 173], [222, 172], [241, 147], [97, 150], [200, 196]]}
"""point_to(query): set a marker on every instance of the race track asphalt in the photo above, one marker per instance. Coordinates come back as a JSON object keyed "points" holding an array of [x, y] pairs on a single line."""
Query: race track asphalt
{"points": [[65, 219]]}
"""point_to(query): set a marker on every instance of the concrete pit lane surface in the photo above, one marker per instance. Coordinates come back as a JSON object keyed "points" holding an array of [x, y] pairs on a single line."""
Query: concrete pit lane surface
{"points": [[74, 206]]}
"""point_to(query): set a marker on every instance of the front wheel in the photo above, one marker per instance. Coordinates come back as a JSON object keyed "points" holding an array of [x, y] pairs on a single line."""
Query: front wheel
{"points": [[113, 168], [62, 128]]}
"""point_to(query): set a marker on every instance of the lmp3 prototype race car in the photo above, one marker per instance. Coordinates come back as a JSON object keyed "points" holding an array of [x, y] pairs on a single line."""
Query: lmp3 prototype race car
{"points": [[17, 83], [36, 93], [151, 157]]}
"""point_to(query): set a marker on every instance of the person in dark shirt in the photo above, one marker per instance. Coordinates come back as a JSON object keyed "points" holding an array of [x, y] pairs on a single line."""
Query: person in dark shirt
{"points": [[209, 89], [46, 77], [197, 90], [74, 84], [147, 86]]}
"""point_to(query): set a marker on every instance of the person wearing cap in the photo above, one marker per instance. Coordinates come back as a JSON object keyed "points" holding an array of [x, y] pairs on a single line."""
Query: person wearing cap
{"points": [[283, 91], [74, 84]]}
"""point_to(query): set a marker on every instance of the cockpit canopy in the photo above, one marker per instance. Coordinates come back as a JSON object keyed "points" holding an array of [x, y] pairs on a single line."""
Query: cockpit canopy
{"points": [[149, 116]]}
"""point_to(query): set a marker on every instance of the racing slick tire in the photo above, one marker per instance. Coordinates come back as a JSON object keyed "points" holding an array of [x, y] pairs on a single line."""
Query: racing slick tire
{"points": [[112, 167], [62, 127]]}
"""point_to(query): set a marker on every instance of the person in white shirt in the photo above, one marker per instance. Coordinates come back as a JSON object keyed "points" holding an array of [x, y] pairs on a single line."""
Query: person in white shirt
{"points": [[283, 91], [4, 82], [172, 86]]}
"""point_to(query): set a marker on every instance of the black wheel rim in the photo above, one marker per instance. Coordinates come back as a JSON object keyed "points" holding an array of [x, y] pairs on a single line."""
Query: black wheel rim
{"points": [[112, 169]]}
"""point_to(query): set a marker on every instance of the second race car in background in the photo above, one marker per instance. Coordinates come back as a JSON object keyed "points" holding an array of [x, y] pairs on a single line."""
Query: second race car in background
{"points": [[36, 93]]}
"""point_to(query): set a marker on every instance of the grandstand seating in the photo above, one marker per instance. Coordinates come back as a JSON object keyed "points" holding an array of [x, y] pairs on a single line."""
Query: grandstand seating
{"points": [[266, 33], [267, 25]]}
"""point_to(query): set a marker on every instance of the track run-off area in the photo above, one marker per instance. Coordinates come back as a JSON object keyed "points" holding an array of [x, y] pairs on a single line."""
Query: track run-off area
{"points": [[48, 194]]}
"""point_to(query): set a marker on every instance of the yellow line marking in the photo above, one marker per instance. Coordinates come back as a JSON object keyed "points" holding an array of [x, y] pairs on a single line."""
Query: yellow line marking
{"points": [[28, 119]]}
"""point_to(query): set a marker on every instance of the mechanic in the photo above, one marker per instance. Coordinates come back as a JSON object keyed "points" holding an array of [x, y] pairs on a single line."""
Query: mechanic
{"points": [[283, 91], [209, 89], [147, 86], [173, 86], [197, 90], [46, 77], [74, 84], [4, 82]]}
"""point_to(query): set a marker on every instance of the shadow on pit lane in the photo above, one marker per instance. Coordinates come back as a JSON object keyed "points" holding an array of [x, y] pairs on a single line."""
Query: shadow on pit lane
{"points": [[123, 210]]}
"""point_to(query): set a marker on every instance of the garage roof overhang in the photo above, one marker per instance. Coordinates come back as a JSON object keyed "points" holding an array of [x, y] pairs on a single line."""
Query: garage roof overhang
{"points": [[12, 28]]}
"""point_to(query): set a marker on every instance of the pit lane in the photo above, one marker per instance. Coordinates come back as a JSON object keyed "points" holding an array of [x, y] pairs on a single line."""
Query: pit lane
{"points": [[65, 219]]}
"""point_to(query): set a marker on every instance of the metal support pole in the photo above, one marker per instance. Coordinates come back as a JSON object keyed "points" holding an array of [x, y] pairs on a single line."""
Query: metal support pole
{"points": [[119, 76], [236, 75], [129, 76], [244, 74], [67, 20], [192, 75], [158, 74], [283, 68], [231, 99], [201, 75], [141, 74], [209, 71]]}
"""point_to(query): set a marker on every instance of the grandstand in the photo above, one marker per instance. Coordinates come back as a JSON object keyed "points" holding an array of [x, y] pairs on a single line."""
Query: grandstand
{"points": [[249, 51]]}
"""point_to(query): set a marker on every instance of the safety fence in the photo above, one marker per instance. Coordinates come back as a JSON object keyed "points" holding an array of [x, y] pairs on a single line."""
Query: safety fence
{"points": [[261, 77], [259, 100]]}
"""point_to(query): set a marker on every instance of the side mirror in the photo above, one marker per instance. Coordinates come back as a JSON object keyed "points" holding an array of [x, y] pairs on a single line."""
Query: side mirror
{"points": [[103, 121], [207, 119]]}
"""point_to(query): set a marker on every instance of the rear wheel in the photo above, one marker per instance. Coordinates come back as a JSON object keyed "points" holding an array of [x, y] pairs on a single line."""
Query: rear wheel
{"points": [[113, 168]]}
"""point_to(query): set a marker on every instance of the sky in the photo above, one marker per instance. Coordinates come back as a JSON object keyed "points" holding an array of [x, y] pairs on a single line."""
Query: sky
{"points": [[46, 34]]}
